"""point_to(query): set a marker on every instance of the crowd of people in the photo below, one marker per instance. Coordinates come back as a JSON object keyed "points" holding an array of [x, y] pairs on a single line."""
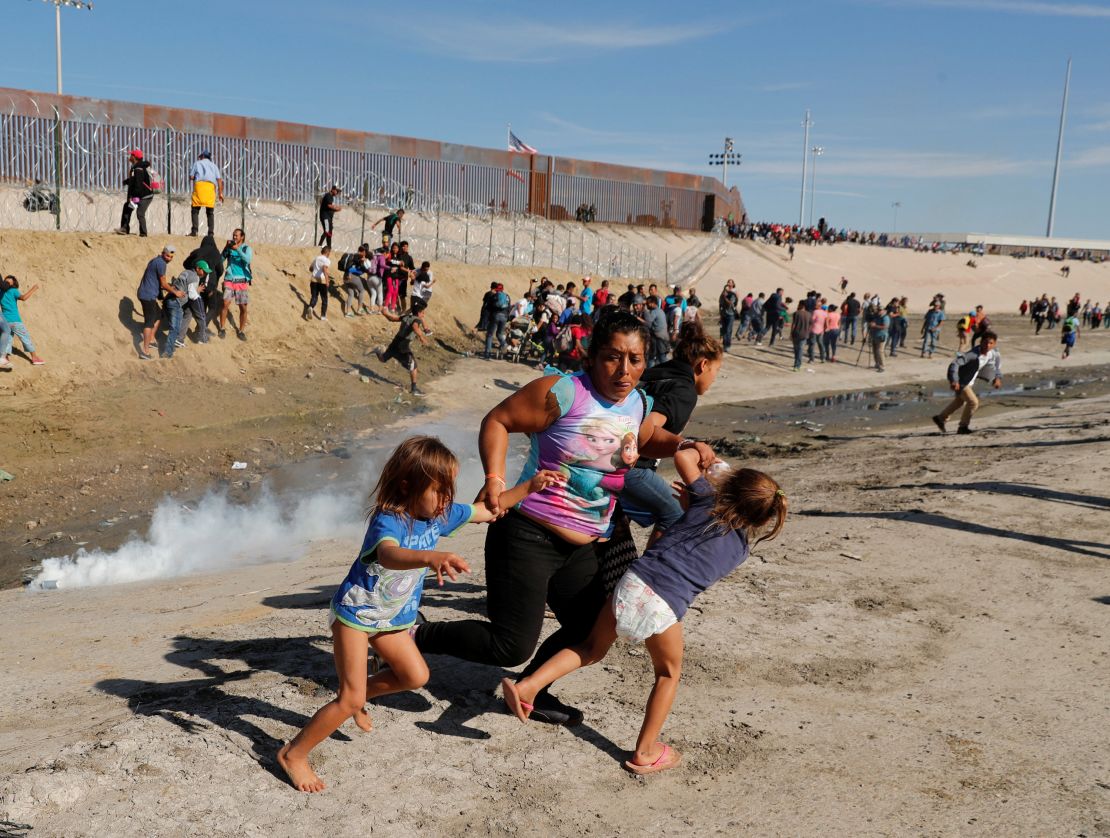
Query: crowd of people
{"points": [[552, 323], [1044, 313]]}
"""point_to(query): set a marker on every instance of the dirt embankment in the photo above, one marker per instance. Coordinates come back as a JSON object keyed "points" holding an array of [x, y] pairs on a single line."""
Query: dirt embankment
{"points": [[97, 434]]}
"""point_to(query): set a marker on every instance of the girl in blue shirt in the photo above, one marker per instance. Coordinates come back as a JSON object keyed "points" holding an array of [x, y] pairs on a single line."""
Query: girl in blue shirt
{"points": [[377, 603], [706, 544]]}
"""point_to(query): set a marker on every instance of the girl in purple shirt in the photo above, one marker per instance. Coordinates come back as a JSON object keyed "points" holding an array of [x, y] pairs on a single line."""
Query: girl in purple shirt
{"points": [[723, 511]]}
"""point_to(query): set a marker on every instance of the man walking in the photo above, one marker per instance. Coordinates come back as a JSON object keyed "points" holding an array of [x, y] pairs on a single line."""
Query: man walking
{"points": [[930, 329], [139, 193], [208, 187], [151, 288], [498, 318], [328, 209], [981, 362]]}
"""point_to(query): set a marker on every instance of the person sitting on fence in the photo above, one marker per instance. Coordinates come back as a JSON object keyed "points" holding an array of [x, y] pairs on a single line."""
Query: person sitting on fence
{"points": [[208, 187], [139, 193]]}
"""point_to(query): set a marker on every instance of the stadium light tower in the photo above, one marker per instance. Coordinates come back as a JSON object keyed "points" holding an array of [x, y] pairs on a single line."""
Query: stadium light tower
{"points": [[57, 4], [817, 152], [724, 159]]}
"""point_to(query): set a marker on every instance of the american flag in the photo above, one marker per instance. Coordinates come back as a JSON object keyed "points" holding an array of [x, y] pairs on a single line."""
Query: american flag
{"points": [[518, 145]]}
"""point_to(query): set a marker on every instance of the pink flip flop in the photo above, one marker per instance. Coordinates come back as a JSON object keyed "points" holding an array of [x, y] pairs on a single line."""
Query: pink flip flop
{"points": [[668, 759], [520, 709]]}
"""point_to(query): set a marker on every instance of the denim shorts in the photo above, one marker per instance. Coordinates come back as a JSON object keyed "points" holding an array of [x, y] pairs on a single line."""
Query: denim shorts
{"points": [[647, 499]]}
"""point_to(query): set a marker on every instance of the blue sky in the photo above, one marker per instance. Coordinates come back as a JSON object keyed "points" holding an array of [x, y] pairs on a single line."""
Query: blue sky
{"points": [[949, 107]]}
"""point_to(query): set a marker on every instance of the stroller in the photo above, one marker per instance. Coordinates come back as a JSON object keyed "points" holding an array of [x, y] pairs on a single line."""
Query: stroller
{"points": [[524, 342]]}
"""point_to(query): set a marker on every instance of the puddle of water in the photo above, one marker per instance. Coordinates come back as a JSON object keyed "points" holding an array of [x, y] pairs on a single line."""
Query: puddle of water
{"points": [[889, 406]]}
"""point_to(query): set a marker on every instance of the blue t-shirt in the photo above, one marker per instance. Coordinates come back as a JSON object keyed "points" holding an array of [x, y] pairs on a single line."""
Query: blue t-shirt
{"points": [[587, 298], [693, 554], [9, 307], [150, 286], [375, 598]]}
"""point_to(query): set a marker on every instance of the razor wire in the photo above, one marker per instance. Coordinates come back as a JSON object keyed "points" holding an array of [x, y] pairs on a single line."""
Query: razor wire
{"points": [[272, 189]]}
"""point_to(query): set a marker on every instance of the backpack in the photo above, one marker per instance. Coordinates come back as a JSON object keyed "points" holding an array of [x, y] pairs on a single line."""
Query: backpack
{"points": [[564, 340], [501, 301], [347, 261]]}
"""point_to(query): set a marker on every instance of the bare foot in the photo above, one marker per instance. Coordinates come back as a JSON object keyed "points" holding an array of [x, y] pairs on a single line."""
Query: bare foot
{"points": [[299, 772], [515, 700], [363, 720]]}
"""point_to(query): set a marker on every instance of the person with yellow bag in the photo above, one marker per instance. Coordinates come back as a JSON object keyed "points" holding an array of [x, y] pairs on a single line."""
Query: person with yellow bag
{"points": [[208, 187]]}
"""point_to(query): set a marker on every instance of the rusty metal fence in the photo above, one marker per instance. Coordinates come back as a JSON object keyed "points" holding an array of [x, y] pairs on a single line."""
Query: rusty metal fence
{"points": [[65, 171]]}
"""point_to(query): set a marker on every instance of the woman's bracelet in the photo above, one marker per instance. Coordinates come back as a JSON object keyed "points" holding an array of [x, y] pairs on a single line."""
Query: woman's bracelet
{"points": [[686, 443], [496, 477]]}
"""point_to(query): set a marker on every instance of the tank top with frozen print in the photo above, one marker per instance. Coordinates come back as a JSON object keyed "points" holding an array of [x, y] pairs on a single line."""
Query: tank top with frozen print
{"points": [[593, 443]]}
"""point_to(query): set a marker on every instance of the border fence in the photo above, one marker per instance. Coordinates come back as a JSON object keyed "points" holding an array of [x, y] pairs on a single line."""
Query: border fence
{"points": [[473, 205]]}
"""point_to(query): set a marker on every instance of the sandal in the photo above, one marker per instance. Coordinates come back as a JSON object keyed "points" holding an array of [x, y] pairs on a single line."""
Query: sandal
{"points": [[668, 759]]}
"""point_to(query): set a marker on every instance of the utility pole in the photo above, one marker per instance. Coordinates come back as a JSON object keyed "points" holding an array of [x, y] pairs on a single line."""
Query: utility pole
{"points": [[1059, 153], [817, 152], [806, 123], [894, 206], [57, 4]]}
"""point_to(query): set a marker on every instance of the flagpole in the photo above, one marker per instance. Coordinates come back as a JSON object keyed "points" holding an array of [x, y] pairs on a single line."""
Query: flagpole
{"points": [[508, 135]]}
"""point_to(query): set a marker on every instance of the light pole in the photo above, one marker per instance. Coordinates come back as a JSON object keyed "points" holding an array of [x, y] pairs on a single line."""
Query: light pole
{"points": [[806, 124], [817, 152], [57, 4], [894, 206], [1059, 153], [724, 159]]}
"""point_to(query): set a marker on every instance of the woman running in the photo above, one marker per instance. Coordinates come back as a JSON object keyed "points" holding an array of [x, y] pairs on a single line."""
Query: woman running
{"points": [[591, 426]]}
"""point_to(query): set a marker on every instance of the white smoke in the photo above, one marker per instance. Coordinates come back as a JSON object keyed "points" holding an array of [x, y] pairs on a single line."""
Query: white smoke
{"points": [[215, 534], [219, 534]]}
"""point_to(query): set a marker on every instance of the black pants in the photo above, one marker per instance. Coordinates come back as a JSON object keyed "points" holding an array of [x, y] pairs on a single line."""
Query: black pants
{"points": [[210, 212], [526, 566], [326, 226], [140, 211], [319, 291]]}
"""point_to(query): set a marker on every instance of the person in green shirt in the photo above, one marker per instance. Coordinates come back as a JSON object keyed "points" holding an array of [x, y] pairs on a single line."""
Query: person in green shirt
{"points": [[1069, 334]]}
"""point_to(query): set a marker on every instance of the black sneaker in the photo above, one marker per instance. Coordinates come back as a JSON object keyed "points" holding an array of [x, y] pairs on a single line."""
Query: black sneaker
{"points": [[939, 422], [549, 710], [222, 333], [964, 429]]}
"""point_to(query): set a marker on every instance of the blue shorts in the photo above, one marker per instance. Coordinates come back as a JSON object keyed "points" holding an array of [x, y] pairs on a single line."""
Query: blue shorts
{"points": [[648, 500]]}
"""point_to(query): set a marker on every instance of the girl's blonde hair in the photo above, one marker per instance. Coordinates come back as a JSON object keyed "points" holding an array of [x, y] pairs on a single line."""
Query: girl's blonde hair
{"points": [[751, 501], [415, 465]]}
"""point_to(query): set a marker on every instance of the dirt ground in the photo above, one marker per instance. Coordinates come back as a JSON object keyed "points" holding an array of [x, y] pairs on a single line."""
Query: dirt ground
{"points": [[922, 652]]}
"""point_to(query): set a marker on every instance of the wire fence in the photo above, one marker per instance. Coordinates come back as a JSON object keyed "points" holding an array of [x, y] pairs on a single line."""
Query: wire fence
{"points": [[66, 171]]}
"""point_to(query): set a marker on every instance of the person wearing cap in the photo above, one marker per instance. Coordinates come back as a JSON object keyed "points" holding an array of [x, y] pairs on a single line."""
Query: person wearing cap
{"points": [[328, 209], [139, 193], [185, 298], [587, 296], [208, 187], [151, 288]]}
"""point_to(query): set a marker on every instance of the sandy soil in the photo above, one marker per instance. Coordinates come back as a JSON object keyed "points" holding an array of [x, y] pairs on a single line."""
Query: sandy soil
{"points": [[922, 652]]}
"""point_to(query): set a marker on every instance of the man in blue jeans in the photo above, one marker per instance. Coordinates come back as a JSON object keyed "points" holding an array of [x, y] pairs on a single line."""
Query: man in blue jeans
{"points": [[498, 318]]}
